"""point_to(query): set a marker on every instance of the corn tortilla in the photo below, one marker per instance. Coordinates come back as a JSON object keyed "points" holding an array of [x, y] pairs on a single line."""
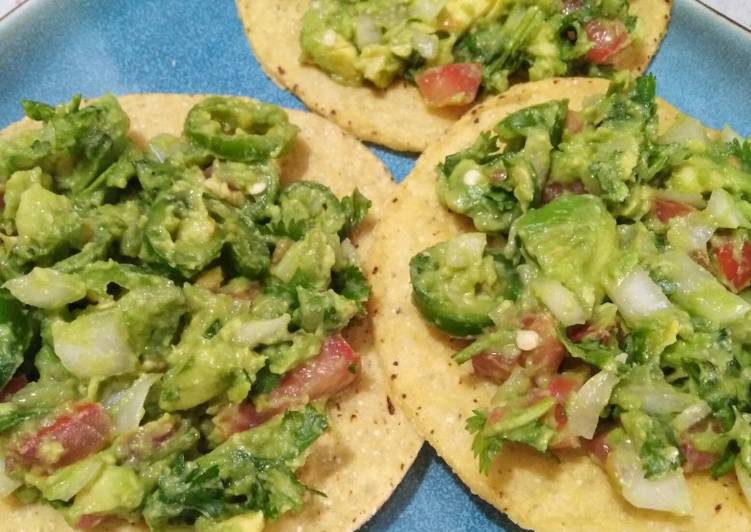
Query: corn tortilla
{"points": [[536, 491], [369, 445], [397, 117]]}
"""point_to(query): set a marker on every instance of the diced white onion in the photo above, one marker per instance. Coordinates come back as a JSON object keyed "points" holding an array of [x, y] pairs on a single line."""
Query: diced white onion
{"points": [[426, 45], [467, 250], [667, 494], [257, 188], [560, 301], [658, 402], [689, 198], [46, 288], [637, 296], [691, 233], [684, 129], [587, 403], [723, 210], [329, 38], [366, 31], [426, 10], [7, 484], [94, 345], [126, 407], [255, 332], [691, 416], [744, 479]]}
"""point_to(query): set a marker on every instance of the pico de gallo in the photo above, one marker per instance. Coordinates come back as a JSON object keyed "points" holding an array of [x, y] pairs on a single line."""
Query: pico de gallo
{"points": [[453, 50], [604, 290], [170, 316]]}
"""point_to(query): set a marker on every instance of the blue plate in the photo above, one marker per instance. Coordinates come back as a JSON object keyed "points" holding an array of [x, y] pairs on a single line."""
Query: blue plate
{"points": [[50, 50]]}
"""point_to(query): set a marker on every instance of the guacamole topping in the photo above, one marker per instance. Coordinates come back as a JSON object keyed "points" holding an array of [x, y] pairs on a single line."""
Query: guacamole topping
{"points": [[605, 290], [170, 316], [453, 48]]}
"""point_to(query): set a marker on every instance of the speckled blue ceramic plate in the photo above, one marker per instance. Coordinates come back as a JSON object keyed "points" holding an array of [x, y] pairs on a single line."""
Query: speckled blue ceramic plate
{"points": [[52, 49]]}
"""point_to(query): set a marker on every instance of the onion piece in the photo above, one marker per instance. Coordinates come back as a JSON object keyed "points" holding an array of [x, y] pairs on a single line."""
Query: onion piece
{"points": [[689, 198], [684, 129], [691, 416], [586, 404], [46, 288], [366, 31], [560, 301], [126, 407], [7, 484], [722, 210], [667, 494], [255, 332], [426, 45], [637, 296], [426, 10], [744, 479], [95, 344]]}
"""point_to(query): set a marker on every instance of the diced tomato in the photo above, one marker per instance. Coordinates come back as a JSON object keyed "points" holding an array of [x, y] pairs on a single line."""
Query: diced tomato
{"points": [[598, 447], [560, 416], [149, 438], [733, 258], [90, 521], [238, 418], [76, 434], [495, 367], [569, 6], [554, 190], [560, 387], [588, 332], [608, 37], [452, 84], [336, 367], [665, 210], [496, 415], [14, 385], [548, 355], [574, 122], [697, 460]]}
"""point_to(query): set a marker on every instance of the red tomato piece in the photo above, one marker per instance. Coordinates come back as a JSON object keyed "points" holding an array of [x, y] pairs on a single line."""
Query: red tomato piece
{"points": [[734, 261], [553, 190], [90, 521], [574, 123], [496, 415], [336, 367], [608, 37], [452, 84], [560, 416], [76, 434], [238, 418], [548, 355], [666, 209], [697, 460], [569, 6], [561, 387], [14, 385], [495, 367], [598, 447]]}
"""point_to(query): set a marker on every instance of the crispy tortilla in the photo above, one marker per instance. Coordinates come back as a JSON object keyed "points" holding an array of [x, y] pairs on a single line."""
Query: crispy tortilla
{"points": [[369, 445], [536, 491], [397, 117]]}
